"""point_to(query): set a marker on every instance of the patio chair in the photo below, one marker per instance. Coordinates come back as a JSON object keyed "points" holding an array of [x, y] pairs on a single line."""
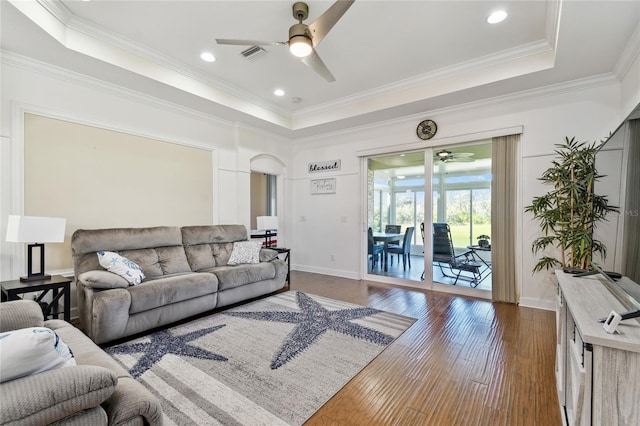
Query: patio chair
{"points": [[393, 229], [374, 251], [454, 263], [404, 249]]}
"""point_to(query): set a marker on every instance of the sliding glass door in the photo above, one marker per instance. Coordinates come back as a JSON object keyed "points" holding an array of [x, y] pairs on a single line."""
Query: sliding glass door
{"points": [[461, 182], [459, 179], [396, 206]]}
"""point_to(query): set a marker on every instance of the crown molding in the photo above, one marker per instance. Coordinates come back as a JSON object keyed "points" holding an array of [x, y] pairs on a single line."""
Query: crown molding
{"points": [[57, 9], [629, 54], [552, 22], [542, 92], [66, 75], [410, 84], [63, 74]]}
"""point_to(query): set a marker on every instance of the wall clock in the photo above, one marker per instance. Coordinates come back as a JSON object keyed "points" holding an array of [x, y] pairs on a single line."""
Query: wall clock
{"points": [[426, 129]]}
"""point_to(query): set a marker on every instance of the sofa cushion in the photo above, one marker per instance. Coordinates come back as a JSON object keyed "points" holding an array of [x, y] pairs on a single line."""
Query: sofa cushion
{"points": [[121, 265], [235, 276], [172, 260], [171, 289], [200, 256], [86, 242], [206, 256], [214, 234], [30, 351], [209, 246]]}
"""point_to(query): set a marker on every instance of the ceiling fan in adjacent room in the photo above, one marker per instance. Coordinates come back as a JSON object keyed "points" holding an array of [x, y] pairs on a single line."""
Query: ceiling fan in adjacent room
{"points": [[303, 38], [445, 156]]}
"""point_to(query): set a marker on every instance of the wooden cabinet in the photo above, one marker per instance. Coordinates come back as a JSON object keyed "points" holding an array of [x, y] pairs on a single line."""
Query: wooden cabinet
{"points": [[597, 373]]}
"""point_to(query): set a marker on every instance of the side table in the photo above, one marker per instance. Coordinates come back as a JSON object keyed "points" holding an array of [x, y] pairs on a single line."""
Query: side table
{"points": [[58, 285], [287, 258]]}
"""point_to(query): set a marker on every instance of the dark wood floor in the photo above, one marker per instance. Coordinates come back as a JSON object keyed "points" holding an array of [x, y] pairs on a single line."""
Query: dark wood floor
{"points": [[464, 362]]}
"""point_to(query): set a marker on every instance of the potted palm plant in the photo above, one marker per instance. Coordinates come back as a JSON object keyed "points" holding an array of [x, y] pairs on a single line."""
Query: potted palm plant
{"points": [[569, 212]]}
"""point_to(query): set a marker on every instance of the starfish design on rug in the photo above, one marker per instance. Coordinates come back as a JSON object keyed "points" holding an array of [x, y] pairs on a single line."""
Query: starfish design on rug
{"points": [[163, 343], [312, 322]]}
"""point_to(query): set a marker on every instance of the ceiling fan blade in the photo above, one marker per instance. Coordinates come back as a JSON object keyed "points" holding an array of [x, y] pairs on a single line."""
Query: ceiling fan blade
{"points": [[319, 28], [248, 42], [314, 62]]}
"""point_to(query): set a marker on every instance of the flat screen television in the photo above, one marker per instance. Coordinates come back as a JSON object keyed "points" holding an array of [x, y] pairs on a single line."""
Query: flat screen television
{"points": [[627, 289]]}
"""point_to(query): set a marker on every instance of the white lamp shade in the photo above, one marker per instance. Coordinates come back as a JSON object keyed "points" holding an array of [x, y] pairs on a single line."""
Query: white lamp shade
{"points": [[267, 222], [35, 229]]}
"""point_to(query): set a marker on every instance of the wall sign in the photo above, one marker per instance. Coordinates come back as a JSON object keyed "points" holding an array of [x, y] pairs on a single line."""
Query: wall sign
{"points": [[324, 166], [323, 186]]}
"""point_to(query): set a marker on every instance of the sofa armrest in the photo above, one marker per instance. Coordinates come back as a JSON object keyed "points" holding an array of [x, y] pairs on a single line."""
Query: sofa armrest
{"points": [[47, 397], [267, 255], [18, 314], [130, 400], [102, 280]]}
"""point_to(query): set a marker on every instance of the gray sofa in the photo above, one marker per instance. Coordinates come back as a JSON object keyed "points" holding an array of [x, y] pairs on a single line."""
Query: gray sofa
{"points": [[97, 391], [186, 274]]}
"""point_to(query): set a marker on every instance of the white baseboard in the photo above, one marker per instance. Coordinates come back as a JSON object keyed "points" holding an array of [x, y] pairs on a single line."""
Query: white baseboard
{"points": [[326, 271], [529, 302]]}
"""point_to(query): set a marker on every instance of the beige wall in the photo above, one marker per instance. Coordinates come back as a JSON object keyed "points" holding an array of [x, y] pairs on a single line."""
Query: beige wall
{"points": [[258, 196], [99, 178]]}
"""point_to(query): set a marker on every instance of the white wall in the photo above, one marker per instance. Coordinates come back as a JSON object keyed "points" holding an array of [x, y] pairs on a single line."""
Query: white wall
{"points": [[589, 114]]}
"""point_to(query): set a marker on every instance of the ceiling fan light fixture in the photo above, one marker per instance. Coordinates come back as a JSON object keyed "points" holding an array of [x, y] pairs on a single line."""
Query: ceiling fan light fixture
{"points": [[300, 46], [443, 154]]}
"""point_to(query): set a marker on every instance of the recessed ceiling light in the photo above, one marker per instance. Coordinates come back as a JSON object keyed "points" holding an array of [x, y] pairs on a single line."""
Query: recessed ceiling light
{"points": [[497, 16], [278, 92], [207, 57]]}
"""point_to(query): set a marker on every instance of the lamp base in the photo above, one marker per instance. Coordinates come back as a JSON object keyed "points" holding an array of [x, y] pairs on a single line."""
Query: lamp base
{"points": [[35, 277]]}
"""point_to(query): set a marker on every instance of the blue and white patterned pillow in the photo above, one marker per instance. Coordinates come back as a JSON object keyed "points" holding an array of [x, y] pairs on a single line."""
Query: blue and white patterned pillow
{"points": [[32, 350], [122, 266], [245, 252]]}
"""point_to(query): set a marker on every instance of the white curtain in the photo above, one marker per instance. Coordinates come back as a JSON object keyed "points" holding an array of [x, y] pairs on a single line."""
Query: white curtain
{"points": [[504, 164]]}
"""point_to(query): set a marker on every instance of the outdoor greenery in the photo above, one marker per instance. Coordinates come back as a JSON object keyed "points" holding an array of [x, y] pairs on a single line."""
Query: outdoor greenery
{"points": [[569, 212], [458, 214]]}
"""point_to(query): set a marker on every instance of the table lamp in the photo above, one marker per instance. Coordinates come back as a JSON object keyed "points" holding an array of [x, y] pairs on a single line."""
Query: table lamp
{"points": [[268, 224], [35, 231]]}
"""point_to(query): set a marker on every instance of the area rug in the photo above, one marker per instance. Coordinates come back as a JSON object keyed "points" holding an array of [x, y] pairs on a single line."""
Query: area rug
{"points": [[274, 361]]}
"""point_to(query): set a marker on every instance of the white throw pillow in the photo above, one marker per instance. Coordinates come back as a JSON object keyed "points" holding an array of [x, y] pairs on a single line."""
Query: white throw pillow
{"points": [[122, 266], [245, 252], [32, 350]]}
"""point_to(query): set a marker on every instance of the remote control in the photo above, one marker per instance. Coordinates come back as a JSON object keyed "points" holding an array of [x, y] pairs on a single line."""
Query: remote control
{"points": [[568, 270]]}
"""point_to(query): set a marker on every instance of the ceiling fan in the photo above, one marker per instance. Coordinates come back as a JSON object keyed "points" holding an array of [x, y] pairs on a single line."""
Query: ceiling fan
{"points": [[303, 38], [445, 156]]}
